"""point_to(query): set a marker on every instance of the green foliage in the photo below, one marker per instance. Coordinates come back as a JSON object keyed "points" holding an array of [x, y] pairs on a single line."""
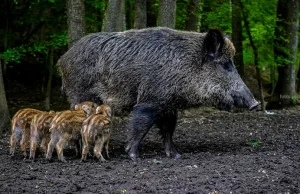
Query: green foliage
{"points": [[294, 100], [254, 143], [262, 16], [17, 54], [94, 14], [181, 11], [216, 14]]}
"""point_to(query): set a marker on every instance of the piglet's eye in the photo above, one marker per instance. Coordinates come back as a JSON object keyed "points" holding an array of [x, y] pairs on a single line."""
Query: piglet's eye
{"points": [[228, 66]]}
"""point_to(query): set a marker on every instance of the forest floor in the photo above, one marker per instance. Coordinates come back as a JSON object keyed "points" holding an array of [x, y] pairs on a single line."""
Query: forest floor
{"points": [[222, 152]]}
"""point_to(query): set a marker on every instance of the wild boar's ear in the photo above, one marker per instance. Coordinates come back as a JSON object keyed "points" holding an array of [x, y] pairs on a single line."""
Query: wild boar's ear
{"points": [[213, 44]]}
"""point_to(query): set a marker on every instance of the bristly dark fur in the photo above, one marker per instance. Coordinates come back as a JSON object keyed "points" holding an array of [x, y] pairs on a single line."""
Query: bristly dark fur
{"points": [[157, 69]]}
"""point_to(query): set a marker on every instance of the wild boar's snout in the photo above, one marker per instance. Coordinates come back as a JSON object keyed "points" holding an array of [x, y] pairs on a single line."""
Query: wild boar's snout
{"points": [[243, 97], [254, 105]]}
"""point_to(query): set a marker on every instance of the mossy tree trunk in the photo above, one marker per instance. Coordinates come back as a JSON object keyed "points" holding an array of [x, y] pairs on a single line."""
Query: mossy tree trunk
{"points": [[140, 20], [285, 50], [237, 36], [4, 113], [76, 20], [166, 13]]}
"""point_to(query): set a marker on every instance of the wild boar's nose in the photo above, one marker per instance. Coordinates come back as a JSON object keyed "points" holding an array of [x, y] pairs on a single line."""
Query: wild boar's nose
{"points": [[254, 105]]}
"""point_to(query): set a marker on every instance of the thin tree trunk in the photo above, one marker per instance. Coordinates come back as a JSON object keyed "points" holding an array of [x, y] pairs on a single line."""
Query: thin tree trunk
{"points": [[49, 82], [166, 13], [273, 78], [6, 32], [4, 113], [192, 18], [121, 19], [237, 36], [76, 20], [285, 50], [114, 19], [140, 20], [258, 74]]}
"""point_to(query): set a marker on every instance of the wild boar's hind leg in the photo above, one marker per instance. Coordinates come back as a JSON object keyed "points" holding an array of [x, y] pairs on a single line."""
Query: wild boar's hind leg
{"points": [[141, 120], [167, 123]]}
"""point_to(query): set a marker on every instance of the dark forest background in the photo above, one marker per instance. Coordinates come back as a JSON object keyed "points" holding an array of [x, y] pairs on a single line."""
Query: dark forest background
{"points": [[35, 33]]}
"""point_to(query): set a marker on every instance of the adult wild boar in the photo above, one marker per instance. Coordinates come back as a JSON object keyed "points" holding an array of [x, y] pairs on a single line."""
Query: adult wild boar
{"points": [[154, 71]]}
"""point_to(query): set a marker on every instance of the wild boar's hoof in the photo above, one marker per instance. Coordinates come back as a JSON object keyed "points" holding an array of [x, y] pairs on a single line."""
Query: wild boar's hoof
{"points": [[175, 155], [131, 153], [133, 157]]}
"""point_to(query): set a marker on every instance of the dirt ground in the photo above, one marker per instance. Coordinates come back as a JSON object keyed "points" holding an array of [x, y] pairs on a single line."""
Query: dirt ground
{"points": [[222, 152]]}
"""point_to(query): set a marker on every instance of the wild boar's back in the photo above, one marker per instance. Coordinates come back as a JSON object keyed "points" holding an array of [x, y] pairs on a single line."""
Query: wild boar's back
{"points": [[121, 68]]}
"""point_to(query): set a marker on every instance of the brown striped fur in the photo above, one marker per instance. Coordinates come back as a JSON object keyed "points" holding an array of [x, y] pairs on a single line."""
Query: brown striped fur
{"points": [[66, 126], [96, 132], [40, 125], [21, 128]]}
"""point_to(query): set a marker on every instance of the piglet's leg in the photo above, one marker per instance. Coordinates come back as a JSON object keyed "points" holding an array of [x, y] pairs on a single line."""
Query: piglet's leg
{"points": [[25, 139], [98, 149], [52, 144], [33, 144], [85, 147], [106, 147], [60, 146], [34, 140], [141, 120], [45, 141], [15, 137], [167, 123]]}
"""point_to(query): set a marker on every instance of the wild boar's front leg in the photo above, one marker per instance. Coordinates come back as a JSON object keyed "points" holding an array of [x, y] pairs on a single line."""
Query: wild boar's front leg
{"points": [[141, 120], [167, 124]]}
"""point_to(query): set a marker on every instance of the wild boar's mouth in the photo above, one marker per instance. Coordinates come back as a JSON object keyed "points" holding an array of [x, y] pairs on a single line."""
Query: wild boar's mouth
{"points": [[254, 105]]}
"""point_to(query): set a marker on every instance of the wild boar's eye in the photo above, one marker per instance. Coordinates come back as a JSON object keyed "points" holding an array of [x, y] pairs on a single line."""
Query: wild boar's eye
{"points": [[228, 66]]}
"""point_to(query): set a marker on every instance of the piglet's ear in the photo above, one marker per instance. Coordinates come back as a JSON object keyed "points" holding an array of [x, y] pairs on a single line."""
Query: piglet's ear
{"points": [[213, 44], [76, 107], [86, 109]]}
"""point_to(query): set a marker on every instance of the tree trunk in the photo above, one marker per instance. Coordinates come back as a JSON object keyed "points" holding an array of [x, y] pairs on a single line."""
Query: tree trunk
{"points": [[140, 19], [258, 74], [121, 19], [192, 18], [76, 20], [166, 13], [114, 19], [237, 36], [49, 82], [4, 113], [285, 50], [6, 32]]}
